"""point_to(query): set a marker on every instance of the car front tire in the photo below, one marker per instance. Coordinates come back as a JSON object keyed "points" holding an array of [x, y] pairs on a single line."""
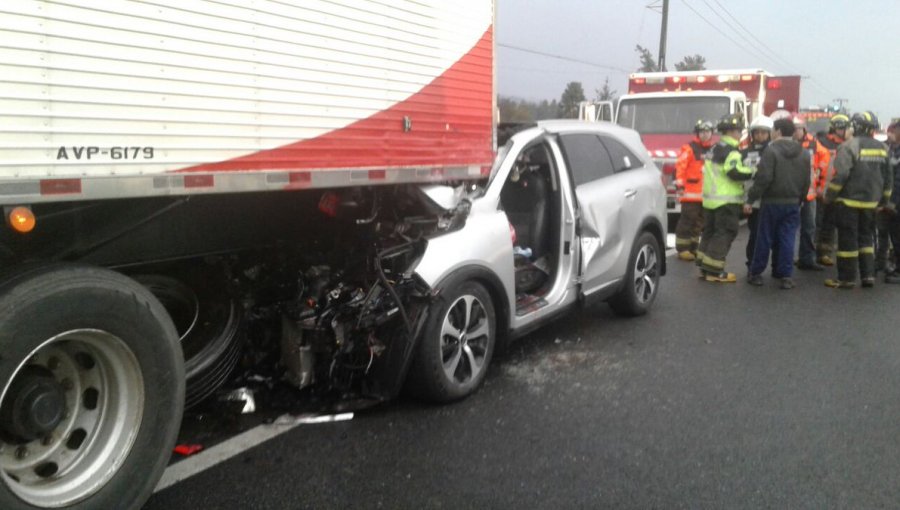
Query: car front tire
{"points": [[457, 344], [641, 283]]}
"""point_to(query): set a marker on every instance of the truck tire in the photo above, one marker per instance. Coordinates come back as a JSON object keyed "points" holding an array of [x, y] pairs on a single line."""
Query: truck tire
{"points": [[91, 389], [641, 283], [209, 325], [456, 346]]}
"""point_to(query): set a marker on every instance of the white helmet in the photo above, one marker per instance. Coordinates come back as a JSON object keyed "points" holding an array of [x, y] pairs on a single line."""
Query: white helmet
{"points": [[762, 122]]}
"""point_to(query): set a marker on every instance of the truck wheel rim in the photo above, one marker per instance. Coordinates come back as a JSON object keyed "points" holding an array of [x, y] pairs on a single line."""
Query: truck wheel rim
{"points": [[646, 273], [103, 407], [465, 335]]}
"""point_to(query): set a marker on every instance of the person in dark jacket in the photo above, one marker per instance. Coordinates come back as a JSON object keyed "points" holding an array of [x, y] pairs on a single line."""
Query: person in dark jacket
{"points": [[893, 208], [862, 182], [781, 183], [760, 135]]}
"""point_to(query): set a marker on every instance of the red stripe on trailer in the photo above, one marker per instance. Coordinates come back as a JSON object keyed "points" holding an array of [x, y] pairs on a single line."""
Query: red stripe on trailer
{"points": [[60, 186], [377, 175], [199, 181], [451, 125], [300, 178]]}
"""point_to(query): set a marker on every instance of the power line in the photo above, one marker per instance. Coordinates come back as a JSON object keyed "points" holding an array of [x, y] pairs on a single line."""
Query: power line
{"points": [[737, 32], [752, 35], [741, 46], [561, 57], [770, 50], [717, 29]]}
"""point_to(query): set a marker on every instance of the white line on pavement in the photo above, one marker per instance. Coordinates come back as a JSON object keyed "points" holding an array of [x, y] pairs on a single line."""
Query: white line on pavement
{"points": [[223, 451], [242, 442]]}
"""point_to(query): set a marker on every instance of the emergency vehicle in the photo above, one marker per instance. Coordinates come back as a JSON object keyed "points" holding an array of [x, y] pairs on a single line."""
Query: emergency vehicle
{"points": [[664, 107], [173, 171]]}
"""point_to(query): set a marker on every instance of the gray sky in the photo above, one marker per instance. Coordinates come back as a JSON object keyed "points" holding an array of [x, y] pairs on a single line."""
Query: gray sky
{"points": [[846, 49]]}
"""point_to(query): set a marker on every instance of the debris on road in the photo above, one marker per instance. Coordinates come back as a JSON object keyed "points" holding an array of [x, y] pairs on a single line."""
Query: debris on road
{"points": [[188, 449]]}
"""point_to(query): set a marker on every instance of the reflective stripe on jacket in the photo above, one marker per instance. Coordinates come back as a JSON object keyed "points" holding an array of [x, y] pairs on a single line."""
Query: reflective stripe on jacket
{"points": [[723, 175], [819, 159], [689, 170], [863, 178], [830, 142]]}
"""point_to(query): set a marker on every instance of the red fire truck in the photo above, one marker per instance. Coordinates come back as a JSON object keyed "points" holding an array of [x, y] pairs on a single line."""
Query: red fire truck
{"points": [[663, 107]]}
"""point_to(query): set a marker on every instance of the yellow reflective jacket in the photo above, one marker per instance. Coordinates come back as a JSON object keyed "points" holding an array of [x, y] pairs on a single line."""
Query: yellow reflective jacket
{"points": [[723, 175]]}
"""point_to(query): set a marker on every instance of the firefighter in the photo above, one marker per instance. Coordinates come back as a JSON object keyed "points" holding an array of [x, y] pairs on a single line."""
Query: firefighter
{"points": [[819, 161], [689, 182], [760, 135], [825, 226], [893, 209], [723, 196], [862, 182]]}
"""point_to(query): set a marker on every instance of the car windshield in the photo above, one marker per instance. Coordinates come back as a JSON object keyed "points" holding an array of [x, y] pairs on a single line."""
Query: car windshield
{"points": [[664, 115]]}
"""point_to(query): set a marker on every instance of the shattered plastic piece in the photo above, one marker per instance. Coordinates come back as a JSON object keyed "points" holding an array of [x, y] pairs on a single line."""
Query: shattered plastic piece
{"points": [[305, 419], [188, 449], [244, 395], [524, 252]]}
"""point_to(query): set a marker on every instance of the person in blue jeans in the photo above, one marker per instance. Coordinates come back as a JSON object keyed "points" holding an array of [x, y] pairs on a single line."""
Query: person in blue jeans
{"points": [[781, 183]]}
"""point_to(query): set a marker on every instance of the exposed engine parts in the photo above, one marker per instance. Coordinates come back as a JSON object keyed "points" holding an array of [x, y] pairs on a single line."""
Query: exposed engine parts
{"points": [[333, 304]]}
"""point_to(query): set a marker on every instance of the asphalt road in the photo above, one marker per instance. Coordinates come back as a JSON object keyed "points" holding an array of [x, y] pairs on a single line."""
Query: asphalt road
{"points": [[724, 396]]}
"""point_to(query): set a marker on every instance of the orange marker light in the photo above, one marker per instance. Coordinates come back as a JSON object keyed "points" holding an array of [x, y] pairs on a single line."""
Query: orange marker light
{"points": [[21, 219]]}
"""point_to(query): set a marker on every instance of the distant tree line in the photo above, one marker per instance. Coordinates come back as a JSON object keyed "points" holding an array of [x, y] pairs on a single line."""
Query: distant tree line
{"points": [[522, 110]]}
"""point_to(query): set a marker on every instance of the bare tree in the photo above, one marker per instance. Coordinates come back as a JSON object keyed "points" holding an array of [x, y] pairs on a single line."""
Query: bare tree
{"points": [[604, 93], [648, 63], [691, 63]]}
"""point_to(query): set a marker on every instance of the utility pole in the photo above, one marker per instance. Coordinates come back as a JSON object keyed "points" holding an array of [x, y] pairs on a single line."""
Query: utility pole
{"points": [[662, 36], [661, 61]]}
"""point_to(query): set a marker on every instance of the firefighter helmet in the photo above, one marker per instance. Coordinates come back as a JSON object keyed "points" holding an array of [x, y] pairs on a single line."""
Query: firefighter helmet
{"points": [[703, 125], [864, 122], [730, 122], [839, 121], [762, 123]]}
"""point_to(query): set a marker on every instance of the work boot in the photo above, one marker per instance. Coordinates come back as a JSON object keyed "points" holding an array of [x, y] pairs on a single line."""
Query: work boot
{"points": [[826, 260], [810, 266], [787, 284], [723, 277], [755, 279], [837, 284], [687, 256], [893, 277], [868, 283]]}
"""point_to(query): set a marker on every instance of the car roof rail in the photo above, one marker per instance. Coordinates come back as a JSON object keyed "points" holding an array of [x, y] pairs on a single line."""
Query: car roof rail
{"points": [[506, 130]]}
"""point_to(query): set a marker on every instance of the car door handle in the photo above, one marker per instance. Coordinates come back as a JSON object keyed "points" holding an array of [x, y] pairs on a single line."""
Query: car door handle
{"points": [[630, 193]]}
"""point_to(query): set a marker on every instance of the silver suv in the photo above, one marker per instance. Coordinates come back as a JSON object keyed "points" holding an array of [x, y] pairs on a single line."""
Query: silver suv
{"points": [[573, 212]]}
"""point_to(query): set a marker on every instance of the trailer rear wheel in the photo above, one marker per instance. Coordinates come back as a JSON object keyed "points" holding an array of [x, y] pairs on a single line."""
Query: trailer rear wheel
{"points": [[92, 384]]}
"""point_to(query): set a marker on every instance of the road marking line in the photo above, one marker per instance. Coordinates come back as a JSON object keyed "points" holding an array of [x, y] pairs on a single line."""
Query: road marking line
{"points": [[238, 444], [244, 441]]}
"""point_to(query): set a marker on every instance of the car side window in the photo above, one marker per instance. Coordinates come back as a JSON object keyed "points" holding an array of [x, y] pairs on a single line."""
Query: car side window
{"points": [[622, 158], [586, 156]]}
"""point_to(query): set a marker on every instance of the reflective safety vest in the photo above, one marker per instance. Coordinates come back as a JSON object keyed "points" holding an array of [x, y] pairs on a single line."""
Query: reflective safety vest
{"points": [[723, 175]]}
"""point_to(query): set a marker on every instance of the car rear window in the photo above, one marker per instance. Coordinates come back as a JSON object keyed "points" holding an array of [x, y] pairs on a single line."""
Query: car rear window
{"points": [[622, 158], [586, 156]]}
